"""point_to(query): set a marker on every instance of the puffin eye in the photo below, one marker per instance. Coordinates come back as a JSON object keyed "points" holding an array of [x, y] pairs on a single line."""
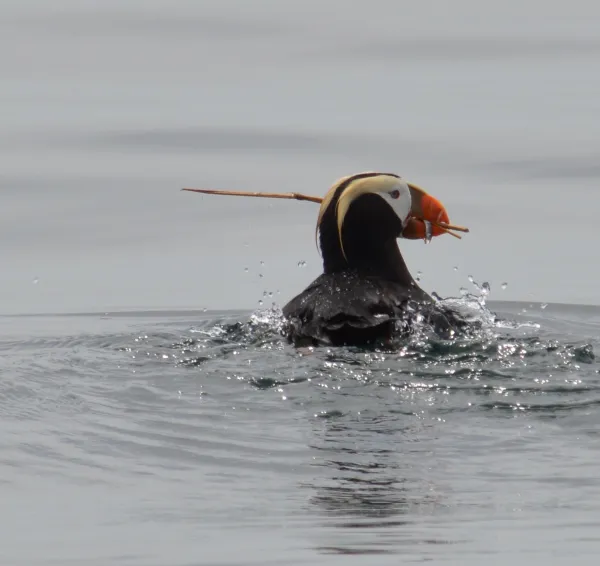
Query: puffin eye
{"points": [[395, 194]]}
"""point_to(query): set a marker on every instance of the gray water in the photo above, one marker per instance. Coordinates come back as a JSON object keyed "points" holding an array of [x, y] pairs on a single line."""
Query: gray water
{"points": [[140, 429], [110, 108], [203, 438]]}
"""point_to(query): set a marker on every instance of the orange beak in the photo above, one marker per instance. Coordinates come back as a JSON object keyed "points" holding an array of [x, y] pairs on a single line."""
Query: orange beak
{"points": [[425, 208]]}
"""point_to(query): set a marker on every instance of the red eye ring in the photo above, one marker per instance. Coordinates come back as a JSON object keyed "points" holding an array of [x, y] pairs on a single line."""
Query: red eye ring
{"points": [[395, 194]]}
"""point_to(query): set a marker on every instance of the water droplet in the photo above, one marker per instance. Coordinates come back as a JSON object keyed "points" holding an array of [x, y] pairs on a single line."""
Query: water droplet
{"points": [[456, 268], [36, 280], [302, 263], [463, 291], [419, 273], [504, 285], [204, 309], [262, 263], [485, 288], [260, 274], [543, 305], [428, 231], [260, 302], [470, 278], [270, 294], [246, 269]]}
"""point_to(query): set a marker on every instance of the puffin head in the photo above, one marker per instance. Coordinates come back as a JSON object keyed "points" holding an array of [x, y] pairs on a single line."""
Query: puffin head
{"points": [[382, 206]]}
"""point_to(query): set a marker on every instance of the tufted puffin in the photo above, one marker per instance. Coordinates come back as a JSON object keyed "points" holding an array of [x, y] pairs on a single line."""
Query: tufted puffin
{"points": [[366, 294]]}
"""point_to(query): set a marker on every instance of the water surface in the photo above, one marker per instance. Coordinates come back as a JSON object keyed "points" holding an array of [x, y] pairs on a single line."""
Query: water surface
{"points": [[203, 438], [146, 431], [112, 107]]}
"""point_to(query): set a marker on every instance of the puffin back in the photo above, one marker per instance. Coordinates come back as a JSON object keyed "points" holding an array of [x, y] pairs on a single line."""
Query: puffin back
{"points": [[344, 308]]}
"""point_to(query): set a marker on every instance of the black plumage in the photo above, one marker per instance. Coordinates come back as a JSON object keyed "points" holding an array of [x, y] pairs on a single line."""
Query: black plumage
{"points": [[366, 294]]}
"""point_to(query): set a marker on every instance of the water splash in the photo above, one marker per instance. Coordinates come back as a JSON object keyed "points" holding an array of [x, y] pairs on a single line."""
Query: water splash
{"points": [[428, 231], [494, 348], [267, 325]]}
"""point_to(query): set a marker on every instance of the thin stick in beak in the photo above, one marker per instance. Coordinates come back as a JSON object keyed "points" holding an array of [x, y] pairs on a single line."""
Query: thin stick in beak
{"points": [[451, 226], [293, 196], [448, 231], [299, 196]]}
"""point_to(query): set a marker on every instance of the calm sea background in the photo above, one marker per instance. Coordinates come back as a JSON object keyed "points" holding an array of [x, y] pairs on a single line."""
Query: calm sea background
{"points": [[140, 429]]}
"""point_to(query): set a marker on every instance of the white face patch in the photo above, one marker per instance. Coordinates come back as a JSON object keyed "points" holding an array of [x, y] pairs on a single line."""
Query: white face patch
{"points": [[399, 198], [393, 190]]}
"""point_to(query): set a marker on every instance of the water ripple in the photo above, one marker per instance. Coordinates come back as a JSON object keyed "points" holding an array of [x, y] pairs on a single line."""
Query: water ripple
{"points": [[220, 414]]}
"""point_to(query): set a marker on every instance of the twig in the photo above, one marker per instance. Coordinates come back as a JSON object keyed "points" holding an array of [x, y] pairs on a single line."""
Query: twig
{"points": [[299, 196], [294, 196]]}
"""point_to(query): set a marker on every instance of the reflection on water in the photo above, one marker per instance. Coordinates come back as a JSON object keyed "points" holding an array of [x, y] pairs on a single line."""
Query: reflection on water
{"points": [[371, 473]]}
